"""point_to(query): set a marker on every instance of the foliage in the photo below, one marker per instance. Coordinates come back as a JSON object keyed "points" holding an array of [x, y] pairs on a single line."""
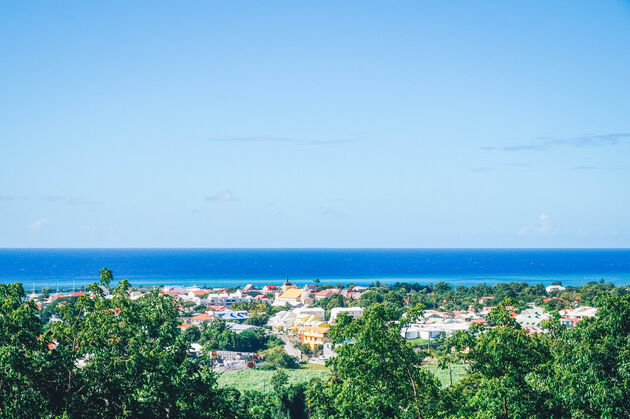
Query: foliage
{"points": [[113, 358], [591, 363], [217, 337], [504, 358], [20, 354], [279, 358], [375, 374]]}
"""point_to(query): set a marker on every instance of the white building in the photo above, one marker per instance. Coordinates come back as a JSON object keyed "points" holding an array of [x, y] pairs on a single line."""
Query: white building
{"points": [[354, 312], [552, 288]]}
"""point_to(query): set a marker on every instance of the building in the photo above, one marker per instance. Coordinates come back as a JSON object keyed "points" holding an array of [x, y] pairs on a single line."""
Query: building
{"points": [[292, 296], [532, 317], [354, 312], [199, 319], [552, 288], [313, 336]]}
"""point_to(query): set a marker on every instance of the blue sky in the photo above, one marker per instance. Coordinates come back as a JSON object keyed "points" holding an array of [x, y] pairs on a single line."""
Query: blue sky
{"points": [[315, 124]]}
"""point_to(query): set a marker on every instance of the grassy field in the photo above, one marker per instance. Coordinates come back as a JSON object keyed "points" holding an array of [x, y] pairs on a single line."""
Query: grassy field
{"points": [[459, 371], [252, 379]]}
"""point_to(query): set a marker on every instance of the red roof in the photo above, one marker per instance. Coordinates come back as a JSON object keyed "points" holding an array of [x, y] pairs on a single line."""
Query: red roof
{"points": [[327, 293], [261, 297], [200, 292], [77, 294]]}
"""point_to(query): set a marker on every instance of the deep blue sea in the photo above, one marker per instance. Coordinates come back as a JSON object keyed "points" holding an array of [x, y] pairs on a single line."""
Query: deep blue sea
{"points": [[67, 268]]}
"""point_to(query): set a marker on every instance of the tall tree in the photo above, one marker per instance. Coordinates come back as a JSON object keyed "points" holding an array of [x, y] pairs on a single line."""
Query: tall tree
{"points": [[375, 373], [20, 354]]}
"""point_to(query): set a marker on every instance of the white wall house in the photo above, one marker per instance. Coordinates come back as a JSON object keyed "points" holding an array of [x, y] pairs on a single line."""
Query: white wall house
{"points": [[354, 312]]}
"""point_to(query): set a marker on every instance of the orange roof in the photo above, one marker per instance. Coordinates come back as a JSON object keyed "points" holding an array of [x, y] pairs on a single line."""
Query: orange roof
{"points": [[200, 292], [184, 326], [77, 294], [202, 317]]}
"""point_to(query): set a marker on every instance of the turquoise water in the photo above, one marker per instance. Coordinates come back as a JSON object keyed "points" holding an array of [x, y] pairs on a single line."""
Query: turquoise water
{"points": [[226, 267]]}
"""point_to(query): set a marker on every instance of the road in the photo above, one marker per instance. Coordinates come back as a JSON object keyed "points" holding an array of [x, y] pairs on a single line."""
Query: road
{"points": [[290, 348]]}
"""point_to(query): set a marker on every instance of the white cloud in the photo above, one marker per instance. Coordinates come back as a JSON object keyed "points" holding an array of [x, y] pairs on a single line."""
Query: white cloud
{"points": [[37, 226], [543, 227], [225, 196]]}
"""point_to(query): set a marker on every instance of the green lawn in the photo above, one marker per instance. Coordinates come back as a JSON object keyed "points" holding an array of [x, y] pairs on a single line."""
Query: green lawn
{"points": [[253, 379], [459, 371]]}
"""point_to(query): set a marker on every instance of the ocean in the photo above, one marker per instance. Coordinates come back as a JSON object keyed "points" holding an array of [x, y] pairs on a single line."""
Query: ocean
{"points": [[74, 268]]}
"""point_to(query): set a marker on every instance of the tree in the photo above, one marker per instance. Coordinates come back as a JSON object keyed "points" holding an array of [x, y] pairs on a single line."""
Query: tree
{"points": [[591, 363], [117, 357], [20, 354], [375, 373], [505, 358], [278, 357]]}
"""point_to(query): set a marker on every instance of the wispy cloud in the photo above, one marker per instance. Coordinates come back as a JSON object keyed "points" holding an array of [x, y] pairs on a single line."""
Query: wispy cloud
{"points": [[546, 143], [543, 227], [225, 196], [332, 211], [36, 226], [70, 200], [481, 169], [596, 167], [502, 166], [284, 140], [515, 164], [14, 198]]}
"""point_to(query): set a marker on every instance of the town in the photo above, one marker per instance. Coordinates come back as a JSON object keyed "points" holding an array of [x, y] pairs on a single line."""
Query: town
{"points": [[315, 350], [301, 316]]}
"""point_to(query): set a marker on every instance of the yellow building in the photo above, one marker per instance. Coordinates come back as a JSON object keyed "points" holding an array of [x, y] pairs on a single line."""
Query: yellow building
{"points": [[314, 335], [291, 296]]}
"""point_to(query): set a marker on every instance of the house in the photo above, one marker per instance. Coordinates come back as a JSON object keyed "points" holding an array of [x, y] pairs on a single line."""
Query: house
{"points": [[250, 290], [312, 311], [200, 319], [327, 293], [433, 330], [282, 320], [232, 315], [239, 328], [552, 288], [418, 332], [354, 312], [270, 288], [314, 336], [225, 299], [532, 317], [579, 312], [198, 293]]}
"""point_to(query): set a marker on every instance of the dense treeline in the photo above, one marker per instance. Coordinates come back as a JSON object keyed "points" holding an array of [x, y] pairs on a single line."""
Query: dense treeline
{"points": [[114, 357]]}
